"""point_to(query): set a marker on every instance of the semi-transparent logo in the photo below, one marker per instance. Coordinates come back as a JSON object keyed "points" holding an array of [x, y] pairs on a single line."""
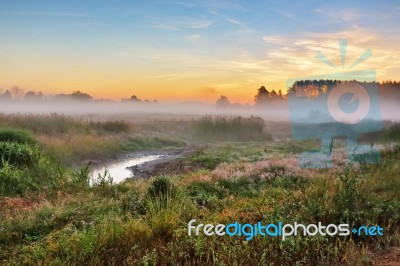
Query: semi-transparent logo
{"points": [[338, 105]]}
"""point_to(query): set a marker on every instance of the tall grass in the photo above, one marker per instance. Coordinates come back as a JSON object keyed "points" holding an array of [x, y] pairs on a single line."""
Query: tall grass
{"points": [[23, 165], [56, 124], [61, 220], [95, 228], [16, 136], [22, 155], [72, 140], [230, 128], [392, 133]]}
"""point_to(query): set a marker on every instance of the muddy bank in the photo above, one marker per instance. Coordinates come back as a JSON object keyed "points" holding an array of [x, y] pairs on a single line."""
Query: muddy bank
{"points": [[142, 164], [171, 161]]}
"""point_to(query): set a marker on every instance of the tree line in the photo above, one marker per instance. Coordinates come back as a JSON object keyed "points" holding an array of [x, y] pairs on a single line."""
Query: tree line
{"points": [[309, 88], [16, 93]]}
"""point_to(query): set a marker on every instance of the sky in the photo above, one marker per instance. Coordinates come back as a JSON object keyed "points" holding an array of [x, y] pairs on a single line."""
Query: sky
{"points": [[193, 50]]}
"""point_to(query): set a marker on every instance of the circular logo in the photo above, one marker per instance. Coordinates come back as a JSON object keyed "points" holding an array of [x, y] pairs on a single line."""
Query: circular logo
{"points": [[358, 93]]}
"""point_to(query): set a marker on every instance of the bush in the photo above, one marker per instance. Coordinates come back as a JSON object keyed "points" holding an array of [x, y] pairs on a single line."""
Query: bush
{"points": [[14, 181], [111, 126], [234, 129], [393, 133], [165, 206], [16, 136], [162, 187], [209, 161], [22, 155], [23, 166]]}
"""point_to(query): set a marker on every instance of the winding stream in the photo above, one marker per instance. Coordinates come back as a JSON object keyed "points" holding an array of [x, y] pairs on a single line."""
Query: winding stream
{"points": [[119, 169]]}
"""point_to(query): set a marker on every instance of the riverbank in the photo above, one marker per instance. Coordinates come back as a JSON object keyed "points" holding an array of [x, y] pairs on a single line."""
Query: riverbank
{"points": [[142, 164]]}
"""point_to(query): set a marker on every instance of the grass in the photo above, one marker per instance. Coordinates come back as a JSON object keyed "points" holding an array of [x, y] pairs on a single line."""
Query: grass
{"points": [[24, 167], [392, 133], [230, 128], [72, 140], [51, 215], [16, 136]]}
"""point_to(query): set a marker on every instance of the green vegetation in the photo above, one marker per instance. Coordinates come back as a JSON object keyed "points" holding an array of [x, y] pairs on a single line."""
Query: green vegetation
{"points": [[16, 136], [392, 133], [51, 215], [23, 166], [230, 128], [72, 140]]}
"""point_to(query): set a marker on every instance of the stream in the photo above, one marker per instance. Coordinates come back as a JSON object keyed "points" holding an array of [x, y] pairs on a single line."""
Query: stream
{"points": [[119, 169]]}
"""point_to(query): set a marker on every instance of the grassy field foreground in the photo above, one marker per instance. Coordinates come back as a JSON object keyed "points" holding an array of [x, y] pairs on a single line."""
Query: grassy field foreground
{"points": [[50, 214]]}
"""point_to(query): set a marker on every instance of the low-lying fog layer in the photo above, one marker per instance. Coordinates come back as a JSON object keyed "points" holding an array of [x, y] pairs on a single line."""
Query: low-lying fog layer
{"points": [[274, 111]]}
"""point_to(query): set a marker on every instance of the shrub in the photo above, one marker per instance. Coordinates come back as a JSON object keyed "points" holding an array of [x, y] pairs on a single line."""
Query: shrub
{"points": [[111, 126], [16, 136], [22, 155], [14, 181], [165, 205], [393, 133], [234, 129], [210, 160], [82, 176], [162, 187], [24, 167]]}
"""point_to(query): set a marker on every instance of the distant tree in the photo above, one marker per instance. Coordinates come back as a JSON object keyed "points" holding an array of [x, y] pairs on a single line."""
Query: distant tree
{"points": [[31, 95], [273, 95], [6, 96], [78, 95], [134, 98], [223, 101], [280, 95], [17, 92], [262, 96]]}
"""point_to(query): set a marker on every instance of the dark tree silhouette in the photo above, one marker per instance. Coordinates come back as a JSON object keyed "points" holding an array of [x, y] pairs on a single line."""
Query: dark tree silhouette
{"points": [[273, 95], [78, 95], [134, 98], [223, 101], [31, 95], [17, 92], [6, 96], [262, 96]]}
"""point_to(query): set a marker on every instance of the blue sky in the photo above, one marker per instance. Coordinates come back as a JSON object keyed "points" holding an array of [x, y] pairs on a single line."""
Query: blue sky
{"points": [[187, 49]]}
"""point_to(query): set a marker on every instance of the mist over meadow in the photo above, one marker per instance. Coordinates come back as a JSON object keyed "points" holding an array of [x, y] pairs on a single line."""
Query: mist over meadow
{"points": [[268, 104]]}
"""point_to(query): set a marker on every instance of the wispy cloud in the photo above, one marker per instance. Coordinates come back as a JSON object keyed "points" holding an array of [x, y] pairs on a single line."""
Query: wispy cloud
{"points": [[208, 90], [179, 75], [339, 14], [275, 39], [179, 3], [293, 57], [285, 13], [227, 18], [41, 13], [165, 26], [139, 56], [209, 5], [184, 23], [192, 37]]}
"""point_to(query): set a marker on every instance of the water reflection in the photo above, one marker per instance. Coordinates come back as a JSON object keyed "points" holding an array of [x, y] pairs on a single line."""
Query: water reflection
{"points": [[118, 169]]}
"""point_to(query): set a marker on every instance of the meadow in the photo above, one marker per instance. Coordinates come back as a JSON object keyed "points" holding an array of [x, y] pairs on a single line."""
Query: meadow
{"points": [[50, 214]]}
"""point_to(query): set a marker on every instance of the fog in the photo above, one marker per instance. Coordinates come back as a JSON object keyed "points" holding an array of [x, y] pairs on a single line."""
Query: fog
{"points": [[119, 110], [99, 110]]}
